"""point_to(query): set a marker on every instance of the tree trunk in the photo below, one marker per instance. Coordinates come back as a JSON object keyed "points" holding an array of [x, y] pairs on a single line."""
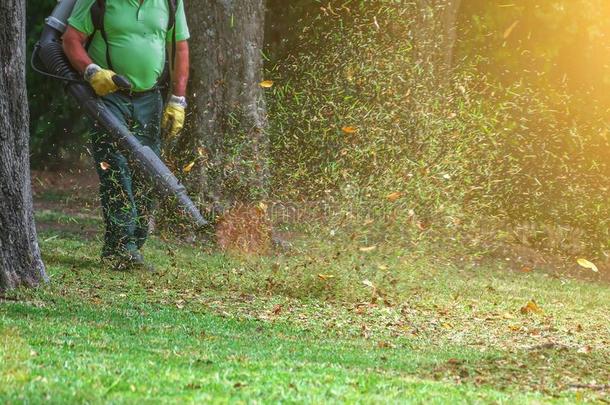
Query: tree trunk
{"points": [[20, 261], [225, 146], [226, 134], [435, 36]]}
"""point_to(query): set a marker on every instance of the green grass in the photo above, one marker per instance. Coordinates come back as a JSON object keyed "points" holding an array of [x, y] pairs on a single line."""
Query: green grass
{"points": [[321, 323]]}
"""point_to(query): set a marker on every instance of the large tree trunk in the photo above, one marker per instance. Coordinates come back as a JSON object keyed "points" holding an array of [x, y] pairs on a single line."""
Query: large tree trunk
{"points": [[435, 35], [226, 135], [227, 125], [20, 262]]}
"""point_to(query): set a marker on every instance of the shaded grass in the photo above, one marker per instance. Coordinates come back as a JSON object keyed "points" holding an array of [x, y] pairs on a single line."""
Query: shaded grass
{"points": [[322, 323]]}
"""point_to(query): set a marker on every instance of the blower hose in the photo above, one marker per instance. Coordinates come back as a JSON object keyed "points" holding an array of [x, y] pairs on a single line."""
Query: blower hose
{"points": [[50, 52]]}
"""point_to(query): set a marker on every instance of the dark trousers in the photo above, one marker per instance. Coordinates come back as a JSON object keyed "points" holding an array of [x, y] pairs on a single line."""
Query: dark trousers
{"points": [[126, 196]]}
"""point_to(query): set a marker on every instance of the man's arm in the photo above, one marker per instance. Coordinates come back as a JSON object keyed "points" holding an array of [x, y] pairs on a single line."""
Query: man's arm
{"points": [[74, 47], [181, 69], [173, 117]]}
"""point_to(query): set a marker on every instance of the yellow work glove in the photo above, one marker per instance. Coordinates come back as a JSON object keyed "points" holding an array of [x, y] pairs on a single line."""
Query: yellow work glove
{"points": [[173, 116], [100, 79]]}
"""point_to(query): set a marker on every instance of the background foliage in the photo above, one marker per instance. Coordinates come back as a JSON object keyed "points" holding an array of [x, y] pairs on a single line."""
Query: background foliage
{"points": [[57, 127], [511, 151], [515, 147]]}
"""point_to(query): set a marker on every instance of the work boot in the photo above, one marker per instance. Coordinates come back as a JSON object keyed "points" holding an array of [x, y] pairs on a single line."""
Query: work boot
{"points": [[133, 261], [126, 261]]}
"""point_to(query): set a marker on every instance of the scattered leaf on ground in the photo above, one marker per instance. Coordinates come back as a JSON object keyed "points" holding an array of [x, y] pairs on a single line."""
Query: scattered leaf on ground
{"points": [[368, 283], [393, 197], [531, 307], [277, 309]]}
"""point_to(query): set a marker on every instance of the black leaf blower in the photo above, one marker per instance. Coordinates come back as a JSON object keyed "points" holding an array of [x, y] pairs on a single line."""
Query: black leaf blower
{"points": [[49, 51]]}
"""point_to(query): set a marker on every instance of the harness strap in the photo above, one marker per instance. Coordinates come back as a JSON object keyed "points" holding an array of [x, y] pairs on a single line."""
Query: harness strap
{"points": [[98, 11]]}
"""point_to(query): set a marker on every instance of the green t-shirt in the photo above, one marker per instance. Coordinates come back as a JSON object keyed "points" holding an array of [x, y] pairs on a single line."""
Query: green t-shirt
{"points": [[137, 37]]}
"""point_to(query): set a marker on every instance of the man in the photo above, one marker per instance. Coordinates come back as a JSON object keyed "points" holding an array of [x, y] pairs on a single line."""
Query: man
{"points": [[133, 43]]}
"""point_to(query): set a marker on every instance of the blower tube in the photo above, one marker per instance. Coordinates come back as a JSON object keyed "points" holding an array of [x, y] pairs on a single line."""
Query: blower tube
{"points": [[50, 52]]}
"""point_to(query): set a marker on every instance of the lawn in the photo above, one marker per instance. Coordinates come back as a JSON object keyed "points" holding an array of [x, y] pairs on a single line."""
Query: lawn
{"points": [[320, 323]]}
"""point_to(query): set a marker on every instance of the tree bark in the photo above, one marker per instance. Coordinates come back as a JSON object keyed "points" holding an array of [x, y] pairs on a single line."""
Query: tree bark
{"points": [[226, 132], [20, 261]]}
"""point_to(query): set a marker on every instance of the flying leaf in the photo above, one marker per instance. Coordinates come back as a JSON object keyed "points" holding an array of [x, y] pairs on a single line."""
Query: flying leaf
{"points": [[266, 84], [262, 207], [510, 29], [188, 167], [526, 269], [105, 166], [587, 265], [393, 197], [349, 130]]}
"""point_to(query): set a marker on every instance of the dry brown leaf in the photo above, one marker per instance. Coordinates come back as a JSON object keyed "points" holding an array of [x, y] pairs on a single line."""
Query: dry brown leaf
{"points": [[393, 197], [526, 269], [531, 307]]}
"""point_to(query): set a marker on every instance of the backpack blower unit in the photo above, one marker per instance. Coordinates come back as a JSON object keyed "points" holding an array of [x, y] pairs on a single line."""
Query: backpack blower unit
{"points": [[50, 52]]}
